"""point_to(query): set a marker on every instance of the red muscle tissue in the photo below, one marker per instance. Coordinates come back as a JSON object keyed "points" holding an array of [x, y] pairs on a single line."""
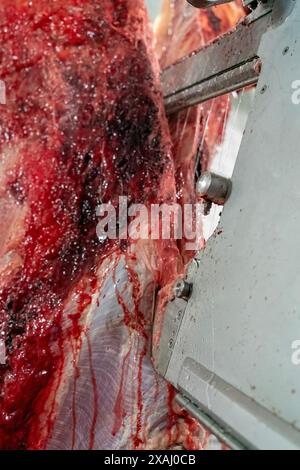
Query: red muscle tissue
{"points": [[82, 125]]}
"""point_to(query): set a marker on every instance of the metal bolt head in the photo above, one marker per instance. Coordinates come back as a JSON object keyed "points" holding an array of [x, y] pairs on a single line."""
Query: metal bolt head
{"points": [[263, 89], [182, 289], [179, 315], [204, 183], [214, 188]]}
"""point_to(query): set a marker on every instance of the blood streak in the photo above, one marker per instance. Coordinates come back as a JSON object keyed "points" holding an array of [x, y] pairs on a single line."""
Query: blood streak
{"points": [[135, 321], [74, 414], [137, 440], [172, 417], [95, 392], [120, 413]]}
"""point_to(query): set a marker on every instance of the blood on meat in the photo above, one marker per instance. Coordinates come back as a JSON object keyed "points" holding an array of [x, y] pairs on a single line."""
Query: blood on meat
{"points": [[83, 124]]}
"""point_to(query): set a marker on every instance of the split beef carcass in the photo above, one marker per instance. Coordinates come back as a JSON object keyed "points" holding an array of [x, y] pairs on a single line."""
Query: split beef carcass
{"points": [[83, 124]]}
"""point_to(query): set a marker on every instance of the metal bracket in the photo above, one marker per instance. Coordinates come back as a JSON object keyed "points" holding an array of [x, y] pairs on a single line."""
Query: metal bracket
{"points": [[207, 3], [229, 63], [211, 3], [213, 426], [172, 321]]}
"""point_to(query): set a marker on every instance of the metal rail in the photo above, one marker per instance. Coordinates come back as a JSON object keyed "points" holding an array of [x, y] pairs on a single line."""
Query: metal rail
{"points": [[227, 64]]}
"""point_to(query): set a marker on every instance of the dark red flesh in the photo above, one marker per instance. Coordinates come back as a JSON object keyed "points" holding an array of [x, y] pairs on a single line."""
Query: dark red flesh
{"points": [[81, 126]]}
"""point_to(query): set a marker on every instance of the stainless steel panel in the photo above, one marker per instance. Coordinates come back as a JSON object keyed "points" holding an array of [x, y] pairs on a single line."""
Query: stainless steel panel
{"points": [[244, 313]]}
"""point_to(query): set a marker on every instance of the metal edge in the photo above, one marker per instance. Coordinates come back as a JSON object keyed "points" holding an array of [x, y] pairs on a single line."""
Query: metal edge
{"points": [[213, 426]]}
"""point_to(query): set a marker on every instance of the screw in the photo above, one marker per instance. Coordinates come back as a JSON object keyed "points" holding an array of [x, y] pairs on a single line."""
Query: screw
{"points": [[179, 315], [214, 188], [264, 89], [183, 289], [171, 343]]}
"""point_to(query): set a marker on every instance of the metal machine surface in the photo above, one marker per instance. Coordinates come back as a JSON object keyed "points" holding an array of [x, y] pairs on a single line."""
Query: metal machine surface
{"points": [[228, 347], [206, 3]]}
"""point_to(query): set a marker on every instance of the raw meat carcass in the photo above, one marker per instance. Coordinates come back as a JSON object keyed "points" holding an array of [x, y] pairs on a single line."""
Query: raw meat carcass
{"points": [[83, 124]]}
